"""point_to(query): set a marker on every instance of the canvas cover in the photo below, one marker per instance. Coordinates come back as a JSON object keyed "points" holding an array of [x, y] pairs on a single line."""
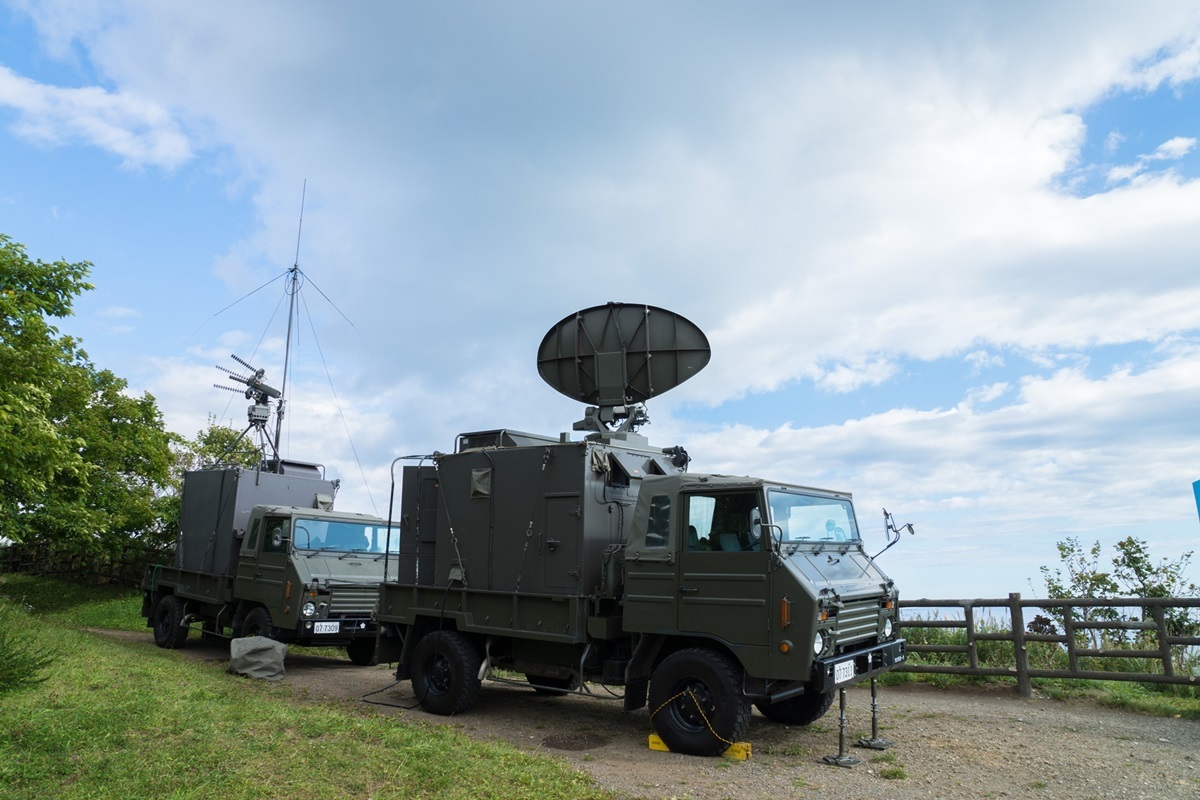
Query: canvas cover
{"points": [[256, 657]]}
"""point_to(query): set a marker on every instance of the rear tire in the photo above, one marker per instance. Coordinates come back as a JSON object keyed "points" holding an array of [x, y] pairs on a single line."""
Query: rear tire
{"points": [[362, 652], [169, 630], [257, 623], [445, 673], [696, 701], [800, 710]]}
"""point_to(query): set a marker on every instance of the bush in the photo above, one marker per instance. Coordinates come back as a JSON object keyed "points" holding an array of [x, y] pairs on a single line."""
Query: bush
{"points": [[22, 659]]}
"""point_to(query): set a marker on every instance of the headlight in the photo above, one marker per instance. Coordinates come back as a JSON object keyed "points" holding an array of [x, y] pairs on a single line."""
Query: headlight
{"points": [[887, 628], [308, 609], [818, 643]]}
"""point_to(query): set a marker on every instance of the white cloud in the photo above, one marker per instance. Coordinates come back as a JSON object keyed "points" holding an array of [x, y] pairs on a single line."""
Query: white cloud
{"points": [[1173, 149], [982, 359], [848, 377], [138, 130], [1170, 150]]}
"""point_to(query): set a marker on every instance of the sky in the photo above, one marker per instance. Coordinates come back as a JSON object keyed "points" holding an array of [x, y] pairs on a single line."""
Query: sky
{"points": [[945, 254]]}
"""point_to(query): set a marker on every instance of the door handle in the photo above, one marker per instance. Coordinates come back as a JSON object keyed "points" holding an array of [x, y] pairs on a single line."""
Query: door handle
{"points": [[688, 590]]}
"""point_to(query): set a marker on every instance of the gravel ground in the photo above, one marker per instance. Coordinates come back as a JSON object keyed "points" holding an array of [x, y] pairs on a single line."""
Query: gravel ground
{"points": [[960, 743]]}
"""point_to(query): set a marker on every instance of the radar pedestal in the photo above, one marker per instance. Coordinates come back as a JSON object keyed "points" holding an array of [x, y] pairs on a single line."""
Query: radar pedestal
{"points": [[615, 357]]}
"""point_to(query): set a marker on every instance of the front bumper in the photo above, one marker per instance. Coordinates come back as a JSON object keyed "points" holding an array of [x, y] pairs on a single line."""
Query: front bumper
{"points": [[335, 629], [848, 668]]}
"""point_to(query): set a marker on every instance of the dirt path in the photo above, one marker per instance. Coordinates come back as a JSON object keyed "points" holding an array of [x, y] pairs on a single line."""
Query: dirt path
{"points": [[948, 743]]}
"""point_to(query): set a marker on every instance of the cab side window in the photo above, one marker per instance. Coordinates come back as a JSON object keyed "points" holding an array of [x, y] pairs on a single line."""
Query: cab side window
{"points": [[727, 522], [658, 527], [278, 532], [252, 539]]}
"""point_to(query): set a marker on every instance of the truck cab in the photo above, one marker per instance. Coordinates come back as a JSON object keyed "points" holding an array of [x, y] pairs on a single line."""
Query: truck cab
{"points": [[773, 574], [315, 573]]}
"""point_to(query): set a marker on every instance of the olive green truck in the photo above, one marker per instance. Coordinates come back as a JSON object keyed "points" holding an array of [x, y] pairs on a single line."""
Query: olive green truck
{"points": [[604, 561], [261, 553]]}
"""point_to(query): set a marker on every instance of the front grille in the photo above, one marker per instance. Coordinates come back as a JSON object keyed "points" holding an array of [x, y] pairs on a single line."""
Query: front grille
{"points": [[856, 621], [357, 601]]}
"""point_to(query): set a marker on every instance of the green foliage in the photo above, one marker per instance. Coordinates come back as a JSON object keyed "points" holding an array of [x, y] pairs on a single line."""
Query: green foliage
{"points": [[1134, 574], [22, 657], [34, 362], [84, 462]]}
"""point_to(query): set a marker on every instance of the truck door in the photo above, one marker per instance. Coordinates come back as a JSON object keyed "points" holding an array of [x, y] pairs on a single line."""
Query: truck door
{"points": [[263, 562], [724, 581]]}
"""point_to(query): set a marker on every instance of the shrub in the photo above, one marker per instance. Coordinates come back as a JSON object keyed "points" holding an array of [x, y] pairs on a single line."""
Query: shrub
{"points": [[22, 658]]}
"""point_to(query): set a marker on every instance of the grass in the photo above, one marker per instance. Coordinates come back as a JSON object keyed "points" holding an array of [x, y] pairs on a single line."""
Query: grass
{"points": [[77, 605], [126, 720]]}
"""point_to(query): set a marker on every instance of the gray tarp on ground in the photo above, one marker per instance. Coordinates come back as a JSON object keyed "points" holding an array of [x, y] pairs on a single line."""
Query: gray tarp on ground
{"points": [[256, 657]]}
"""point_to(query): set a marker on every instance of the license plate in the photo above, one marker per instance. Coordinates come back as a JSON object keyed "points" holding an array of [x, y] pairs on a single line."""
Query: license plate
{"points": [[843, 671], [331, 627]]}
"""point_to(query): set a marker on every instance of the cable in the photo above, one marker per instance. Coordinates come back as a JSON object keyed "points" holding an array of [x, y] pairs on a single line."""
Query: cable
{"points": [[338, 404]]}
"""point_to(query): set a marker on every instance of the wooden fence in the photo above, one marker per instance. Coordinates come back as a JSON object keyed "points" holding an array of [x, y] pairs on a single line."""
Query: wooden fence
{"points": [[1158, 639], [126, 566]]}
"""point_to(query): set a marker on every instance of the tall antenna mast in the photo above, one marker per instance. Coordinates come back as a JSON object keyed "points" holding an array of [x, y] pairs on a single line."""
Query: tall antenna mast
{"points": [[293, 289]]}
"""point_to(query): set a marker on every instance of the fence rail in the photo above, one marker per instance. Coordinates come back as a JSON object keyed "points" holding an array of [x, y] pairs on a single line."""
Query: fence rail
{"points": [[1162, 639], [125, 566]]}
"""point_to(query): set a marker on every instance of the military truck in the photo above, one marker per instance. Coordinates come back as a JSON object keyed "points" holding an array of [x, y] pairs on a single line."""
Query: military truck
{"points": [[261, 552], [604, 561]]}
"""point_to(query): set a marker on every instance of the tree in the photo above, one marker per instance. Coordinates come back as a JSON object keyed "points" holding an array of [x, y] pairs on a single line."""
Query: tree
{"points": [[81, 460], [1141, 577], [1133, 574], [34, 361], [1083, 578]]}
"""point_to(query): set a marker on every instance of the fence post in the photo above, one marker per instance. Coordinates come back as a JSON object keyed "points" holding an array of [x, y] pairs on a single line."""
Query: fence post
{"points": [[1020, 651], [1164, 646], [972, 647]]}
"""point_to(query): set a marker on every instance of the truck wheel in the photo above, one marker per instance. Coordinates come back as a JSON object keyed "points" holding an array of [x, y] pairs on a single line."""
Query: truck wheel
{"points": [[696, 701], [799, 710], [362, 652], [169, 630], [552, 687], [445, 673], [257, 623]]}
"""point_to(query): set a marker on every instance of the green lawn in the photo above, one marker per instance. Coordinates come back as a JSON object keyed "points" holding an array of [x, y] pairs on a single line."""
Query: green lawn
{"points": [[122, 720]]}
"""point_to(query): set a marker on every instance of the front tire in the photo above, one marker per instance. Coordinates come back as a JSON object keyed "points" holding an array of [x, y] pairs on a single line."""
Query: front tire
{"points": [[445, 673], [800, 710], [696, 701], [169, 630], [257, 623], [362, 652]]}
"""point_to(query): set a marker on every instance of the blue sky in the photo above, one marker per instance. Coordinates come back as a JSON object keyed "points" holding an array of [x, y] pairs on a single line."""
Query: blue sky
{"points": [[946, 257]]}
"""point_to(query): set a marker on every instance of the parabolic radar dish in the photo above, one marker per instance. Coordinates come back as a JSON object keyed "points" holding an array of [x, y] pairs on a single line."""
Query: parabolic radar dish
{"points": [[621, 353]]}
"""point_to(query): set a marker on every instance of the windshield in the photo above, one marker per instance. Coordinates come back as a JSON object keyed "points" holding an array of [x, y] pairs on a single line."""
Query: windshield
{"points": [[812, 518], [343, 536]]}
